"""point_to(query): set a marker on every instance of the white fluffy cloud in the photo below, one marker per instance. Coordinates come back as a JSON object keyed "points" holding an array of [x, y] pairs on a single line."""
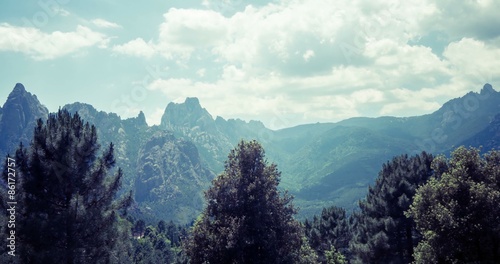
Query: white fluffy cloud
{"points": [[284, 62], [476, 19], [473, 60], [324, 60], [137, 47], [43, 46], [186, 30], [102, 23], [308, 55]]}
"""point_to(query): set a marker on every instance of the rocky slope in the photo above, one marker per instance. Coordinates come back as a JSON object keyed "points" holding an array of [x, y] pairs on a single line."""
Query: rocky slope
{"points": [[170, 177], [488, 139], [127, 135]]}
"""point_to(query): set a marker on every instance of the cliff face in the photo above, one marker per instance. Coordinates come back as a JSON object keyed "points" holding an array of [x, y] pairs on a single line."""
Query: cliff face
{"points": [[190, 121], [170, 177], [126, 135]]}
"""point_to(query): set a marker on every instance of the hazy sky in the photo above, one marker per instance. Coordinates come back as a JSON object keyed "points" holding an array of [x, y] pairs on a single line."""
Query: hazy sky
{"points": [[281, 62]]}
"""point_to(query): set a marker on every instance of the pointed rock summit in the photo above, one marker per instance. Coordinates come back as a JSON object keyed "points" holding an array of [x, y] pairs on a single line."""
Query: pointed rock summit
{"points": [[487, 89], [192, 102], [138, 122], [19, 88], [21, 108], [141, 119], [18, 118], [189, 114]]}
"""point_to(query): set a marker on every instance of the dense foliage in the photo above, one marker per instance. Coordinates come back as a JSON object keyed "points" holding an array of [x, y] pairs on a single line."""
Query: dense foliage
{"points": [[247, 220], [381, 231], [158, 244], [458, 211], [68, 208], [329, 234]]}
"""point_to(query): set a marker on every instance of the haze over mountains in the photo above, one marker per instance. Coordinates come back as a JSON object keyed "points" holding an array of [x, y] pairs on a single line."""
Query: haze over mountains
{"points": [[169, 166]]}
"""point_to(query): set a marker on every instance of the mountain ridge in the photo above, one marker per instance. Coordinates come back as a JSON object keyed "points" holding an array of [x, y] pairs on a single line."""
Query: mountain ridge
{"points": [[321, 163]]}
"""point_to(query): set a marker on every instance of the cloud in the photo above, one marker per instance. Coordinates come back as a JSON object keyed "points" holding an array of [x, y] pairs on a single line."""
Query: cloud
{"points": [[282, 37], [102, 23], [45, 46], [405, 65], [308, 55], [312, 60], [409, 108], [368, 96], [275, 100], [475, 19], [473, 60], [201, 72], [155, 117], [137, 47], [185, 30]]}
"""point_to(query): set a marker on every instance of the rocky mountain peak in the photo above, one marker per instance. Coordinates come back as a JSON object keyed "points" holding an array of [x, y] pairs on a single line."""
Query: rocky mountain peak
{"points": [[19, 115], [487, 89], [138, 122], [19, 93], [83, 109], [22, 106], [19, 88], [192, 103], [189, 114], [141, 118]]}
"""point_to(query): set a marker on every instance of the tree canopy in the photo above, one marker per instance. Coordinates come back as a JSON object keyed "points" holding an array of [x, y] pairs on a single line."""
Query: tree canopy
{"points": [[68, 204], [247, 219], [381, 231], [458, 211], [329, 234]]}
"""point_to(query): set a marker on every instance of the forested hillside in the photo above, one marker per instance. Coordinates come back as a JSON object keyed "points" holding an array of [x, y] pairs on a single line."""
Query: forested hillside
{"points": [[322, 164], [367, 190]]}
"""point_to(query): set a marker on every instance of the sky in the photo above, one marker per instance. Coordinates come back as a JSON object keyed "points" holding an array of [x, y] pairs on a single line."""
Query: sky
{"points": [[284, 62]]}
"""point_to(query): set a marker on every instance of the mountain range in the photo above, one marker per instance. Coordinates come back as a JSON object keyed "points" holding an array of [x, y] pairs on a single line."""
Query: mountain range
{"points": [[168, 166]]}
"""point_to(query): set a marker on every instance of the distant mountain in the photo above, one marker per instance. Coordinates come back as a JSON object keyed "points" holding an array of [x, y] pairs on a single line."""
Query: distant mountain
{"points": [[164, 172], [335, 163], [171, 178], [18, 119], [190, 121], [127, 135], [489, 138], [170, 165], [213, 138]]}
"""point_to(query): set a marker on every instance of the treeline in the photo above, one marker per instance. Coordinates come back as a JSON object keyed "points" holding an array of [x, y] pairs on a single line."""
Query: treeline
{"points": [[421, 209]]}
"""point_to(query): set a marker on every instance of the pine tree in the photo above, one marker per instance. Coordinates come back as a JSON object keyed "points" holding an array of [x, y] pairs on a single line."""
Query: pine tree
{"points": [[381, 231], [70, 213], [330, 230], [247, 220], [458, 211]]}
